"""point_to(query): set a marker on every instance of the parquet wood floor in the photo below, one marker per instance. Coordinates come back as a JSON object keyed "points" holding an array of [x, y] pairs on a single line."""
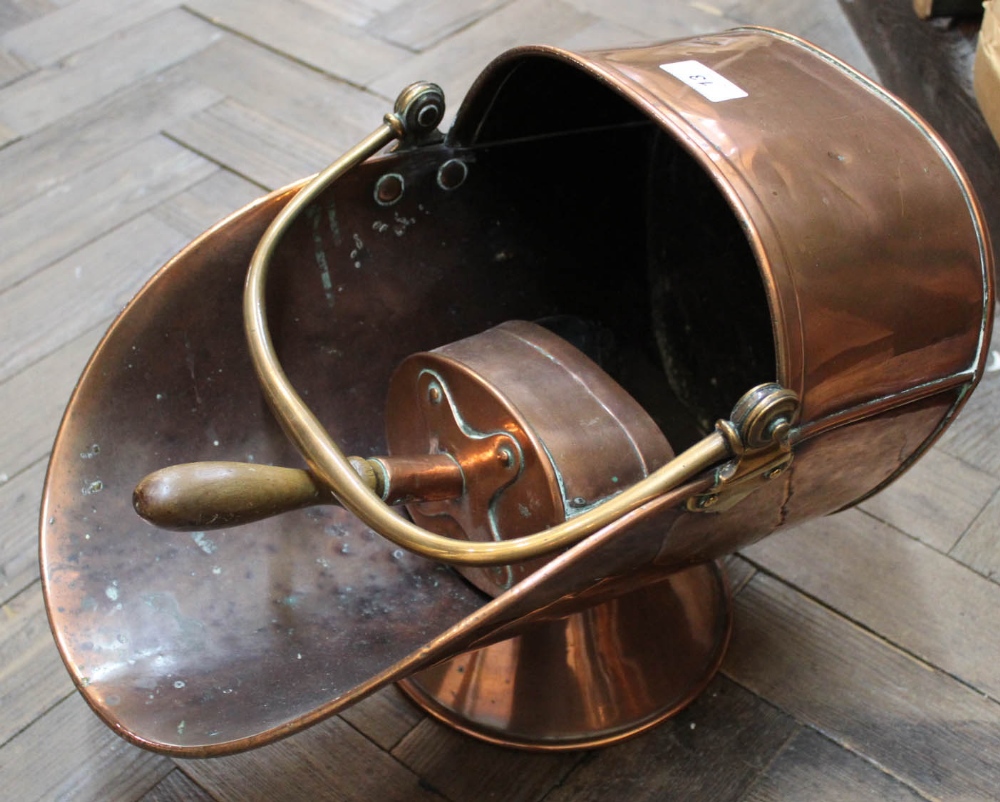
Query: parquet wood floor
{"points": [[866, 659]]}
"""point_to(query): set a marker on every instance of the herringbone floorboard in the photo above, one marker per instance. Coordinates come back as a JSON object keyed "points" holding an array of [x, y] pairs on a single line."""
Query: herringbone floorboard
{"points": [[866, 663]]}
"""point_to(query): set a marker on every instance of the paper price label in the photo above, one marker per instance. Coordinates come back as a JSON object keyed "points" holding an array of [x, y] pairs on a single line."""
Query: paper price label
{"points": [[705, 81]]}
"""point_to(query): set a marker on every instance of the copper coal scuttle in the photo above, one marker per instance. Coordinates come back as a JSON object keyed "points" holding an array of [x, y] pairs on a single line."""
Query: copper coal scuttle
{"points": [[638, 309]]}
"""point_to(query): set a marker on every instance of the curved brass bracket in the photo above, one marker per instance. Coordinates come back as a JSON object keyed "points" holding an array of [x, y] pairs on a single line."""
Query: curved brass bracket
{"points": [[762, 420]]}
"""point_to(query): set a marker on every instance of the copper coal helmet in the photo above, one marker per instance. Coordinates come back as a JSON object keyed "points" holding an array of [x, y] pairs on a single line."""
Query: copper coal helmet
{"points": [[637, 310]]}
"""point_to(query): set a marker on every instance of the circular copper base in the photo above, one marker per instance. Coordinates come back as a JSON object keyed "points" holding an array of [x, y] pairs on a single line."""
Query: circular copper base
{"points": [[590, 678]]}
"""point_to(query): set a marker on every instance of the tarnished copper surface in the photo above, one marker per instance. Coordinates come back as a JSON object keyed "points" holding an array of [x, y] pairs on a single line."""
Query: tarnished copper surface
{"points": [[813, 231]]}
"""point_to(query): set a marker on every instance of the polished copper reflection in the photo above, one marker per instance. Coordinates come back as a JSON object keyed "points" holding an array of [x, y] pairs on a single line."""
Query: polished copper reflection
{"points": [[586, 679], [813, 231]]}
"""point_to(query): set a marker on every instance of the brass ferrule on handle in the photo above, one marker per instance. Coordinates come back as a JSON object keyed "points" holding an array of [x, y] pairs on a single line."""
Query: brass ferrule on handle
{"points": [[417, 113]]}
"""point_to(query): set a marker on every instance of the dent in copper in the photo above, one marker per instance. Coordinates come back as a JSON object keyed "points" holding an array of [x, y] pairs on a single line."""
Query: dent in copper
{"points": [[815, 232]]}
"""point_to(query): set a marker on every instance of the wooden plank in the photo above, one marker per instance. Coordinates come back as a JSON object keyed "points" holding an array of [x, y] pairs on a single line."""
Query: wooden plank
{"points": [[307, 34], [70, 754], [357, 13], [930, 67], [818, 21], [714, 750], [660, 20], [979, 548], [12, 67], [38, 413], [814, 768], [87, 288], [738, 572], [15, 13], [53, 156], [69, 29], [384, 717], [455, 63], [177, 787], [6, 136], [20, 497], [32, 675], [604, 33], [459, 767], [103, 69], [915, 597], [200, 206], [917, 723], [423, 23], [254, 146], [92, 203], [314, 104], [936, 500], [330, 761], [974, 437]]}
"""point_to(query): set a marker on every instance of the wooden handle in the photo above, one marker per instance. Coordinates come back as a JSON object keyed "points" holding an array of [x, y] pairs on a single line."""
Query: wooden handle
{"points": [[214, 495]]}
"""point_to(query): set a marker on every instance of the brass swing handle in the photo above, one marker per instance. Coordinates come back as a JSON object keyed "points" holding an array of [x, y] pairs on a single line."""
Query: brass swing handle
{"points": [[217, 495], [762, 419]]}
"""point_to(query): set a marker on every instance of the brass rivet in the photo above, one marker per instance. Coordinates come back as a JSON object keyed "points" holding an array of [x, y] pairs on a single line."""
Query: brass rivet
{"points": [[451, 175], [707, 501], [505, 456], [775, 472], [429, 115], [389, 189], [434, 394]]}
